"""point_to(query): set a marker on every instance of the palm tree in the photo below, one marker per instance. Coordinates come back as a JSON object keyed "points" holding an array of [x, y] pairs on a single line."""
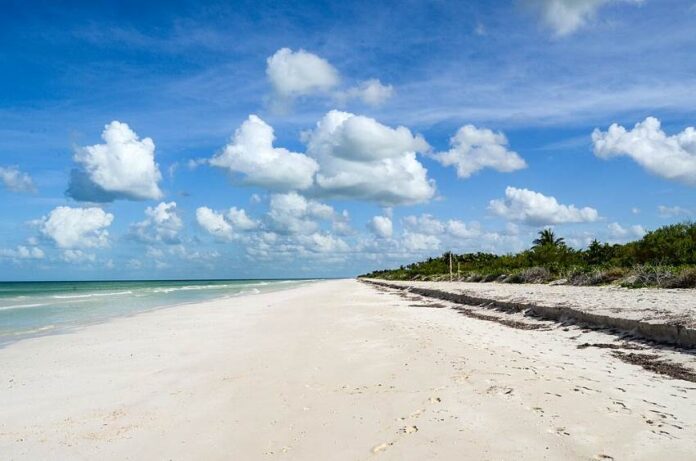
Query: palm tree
{"points": [[547, 237]]}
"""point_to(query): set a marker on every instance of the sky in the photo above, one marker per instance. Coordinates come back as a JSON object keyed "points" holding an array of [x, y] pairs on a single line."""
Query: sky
{"points": [[158, 140]]}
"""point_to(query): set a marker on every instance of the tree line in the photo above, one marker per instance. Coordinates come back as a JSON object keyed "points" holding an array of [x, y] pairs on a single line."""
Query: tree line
{"points": [[665, 257]]}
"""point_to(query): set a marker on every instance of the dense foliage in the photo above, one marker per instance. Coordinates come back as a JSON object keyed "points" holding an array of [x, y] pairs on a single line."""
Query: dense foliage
{"points": [[663, 257]]}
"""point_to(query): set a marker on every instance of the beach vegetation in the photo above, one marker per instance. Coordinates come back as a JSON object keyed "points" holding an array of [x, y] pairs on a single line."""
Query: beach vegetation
{"points": [[665, 257]]}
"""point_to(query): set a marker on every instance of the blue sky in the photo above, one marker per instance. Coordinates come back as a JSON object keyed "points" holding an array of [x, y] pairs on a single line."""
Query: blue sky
{"points": [[367, 135]]}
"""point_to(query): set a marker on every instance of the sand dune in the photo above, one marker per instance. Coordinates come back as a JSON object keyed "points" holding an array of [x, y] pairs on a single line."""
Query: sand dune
{"points": [[336, 370]]}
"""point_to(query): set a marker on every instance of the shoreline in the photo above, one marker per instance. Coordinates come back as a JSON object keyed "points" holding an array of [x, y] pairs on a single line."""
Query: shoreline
{"points": [[66, 327], [333, 370]]}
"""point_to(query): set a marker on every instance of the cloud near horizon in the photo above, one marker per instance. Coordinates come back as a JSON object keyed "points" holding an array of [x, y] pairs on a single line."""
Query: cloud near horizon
{"points": [[292, 213], [72, 228], [22, 252], [673, 211], [621, 233], [162, 224], [225, 226], [381, 226], [536, 209], [214, 223]]}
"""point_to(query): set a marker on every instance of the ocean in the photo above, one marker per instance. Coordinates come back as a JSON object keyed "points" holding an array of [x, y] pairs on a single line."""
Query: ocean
{"points": [[38, 308]]}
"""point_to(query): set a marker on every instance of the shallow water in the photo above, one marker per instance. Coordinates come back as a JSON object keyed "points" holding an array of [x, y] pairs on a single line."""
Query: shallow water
{"points": [[34, 308]]}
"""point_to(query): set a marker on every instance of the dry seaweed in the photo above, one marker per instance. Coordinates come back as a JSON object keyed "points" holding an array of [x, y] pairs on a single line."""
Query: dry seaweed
{"points": [[652, 362]]}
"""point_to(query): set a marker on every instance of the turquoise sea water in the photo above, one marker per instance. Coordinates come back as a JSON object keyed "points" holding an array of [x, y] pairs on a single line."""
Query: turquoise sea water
{"points": [[36, 308]]}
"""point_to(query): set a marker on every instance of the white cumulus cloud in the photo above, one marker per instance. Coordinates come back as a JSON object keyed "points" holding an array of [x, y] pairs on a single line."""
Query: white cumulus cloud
{"points": [[671, 157], [381, 226], [452, 228], [371, 92], [361, 158], [23, 252], [214, 223], [567, 16], [417, 242], [424, 224], [292, 213], [227, 225], [76, 256], [293, 74], [122, 168], [323, 242], [341, 223], [240, 220], [534, 208], [461, 230], [77, 227], [251, 153], [181, 252], [298, 73], [617, 231], [15, 180], [347, 156], [473, 149], [161, 225]]}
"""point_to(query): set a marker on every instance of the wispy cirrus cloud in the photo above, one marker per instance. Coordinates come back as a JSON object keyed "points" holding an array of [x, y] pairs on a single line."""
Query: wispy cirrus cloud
{"points": [[565, 17]]}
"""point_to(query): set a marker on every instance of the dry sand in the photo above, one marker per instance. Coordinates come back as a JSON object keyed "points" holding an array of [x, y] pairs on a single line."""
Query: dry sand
{"points": [[656, 305], [336, 370], [666, 316]]}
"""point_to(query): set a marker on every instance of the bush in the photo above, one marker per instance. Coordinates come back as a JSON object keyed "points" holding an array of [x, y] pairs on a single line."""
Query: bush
{"points": [[581, 278], [686, 278], [650, 276], [673, 245], [595, 277], [536, 275], [514, 278]]}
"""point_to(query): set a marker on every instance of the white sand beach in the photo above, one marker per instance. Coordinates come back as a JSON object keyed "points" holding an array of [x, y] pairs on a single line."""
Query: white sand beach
{"points": [[335, 370]]}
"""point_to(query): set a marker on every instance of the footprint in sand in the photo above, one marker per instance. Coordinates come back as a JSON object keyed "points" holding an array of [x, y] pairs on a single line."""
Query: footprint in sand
{"points": [[415, 414], [500, 390], [409, 429], [559, 431], [381, 447], [619, 407]]}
